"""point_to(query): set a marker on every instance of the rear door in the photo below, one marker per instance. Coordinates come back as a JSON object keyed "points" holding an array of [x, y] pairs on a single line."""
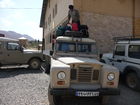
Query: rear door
{"points": [[134, 55]]}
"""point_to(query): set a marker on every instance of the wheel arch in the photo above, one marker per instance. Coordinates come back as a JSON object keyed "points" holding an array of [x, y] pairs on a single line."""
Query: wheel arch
{"points": [[102, 60], [133, 69], [34, 58]]}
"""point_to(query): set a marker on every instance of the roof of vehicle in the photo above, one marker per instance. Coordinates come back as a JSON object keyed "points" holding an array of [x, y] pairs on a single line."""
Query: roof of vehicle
{"points": [[7, 39], [64, 38], [128, 42]]}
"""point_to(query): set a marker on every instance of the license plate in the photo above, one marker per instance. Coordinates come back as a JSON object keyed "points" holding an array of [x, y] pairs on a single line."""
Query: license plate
{"points": [[87, 94]]}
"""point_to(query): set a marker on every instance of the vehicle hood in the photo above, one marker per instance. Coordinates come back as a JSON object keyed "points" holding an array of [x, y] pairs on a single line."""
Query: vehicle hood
{"points": [[31, 51], [71, 60], [108, 55]]}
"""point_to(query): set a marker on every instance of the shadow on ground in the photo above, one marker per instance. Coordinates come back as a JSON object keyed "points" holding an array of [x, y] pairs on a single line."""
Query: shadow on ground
{"points": [[6, 73]]}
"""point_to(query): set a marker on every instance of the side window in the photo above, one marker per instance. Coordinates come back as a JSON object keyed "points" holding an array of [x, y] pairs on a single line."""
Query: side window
{"points": [[134, 51], [13, 46], [120, 50]]}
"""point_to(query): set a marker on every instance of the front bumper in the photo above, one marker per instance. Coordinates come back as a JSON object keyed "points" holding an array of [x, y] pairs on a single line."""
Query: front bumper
{"points": [[72, 92]]}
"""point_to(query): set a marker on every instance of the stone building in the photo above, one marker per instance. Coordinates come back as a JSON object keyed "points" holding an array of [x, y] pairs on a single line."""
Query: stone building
{"points": [[105, 18]]}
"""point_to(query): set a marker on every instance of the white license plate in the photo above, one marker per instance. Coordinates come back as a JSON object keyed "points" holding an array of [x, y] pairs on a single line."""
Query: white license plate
{"points": [[87, 94]]}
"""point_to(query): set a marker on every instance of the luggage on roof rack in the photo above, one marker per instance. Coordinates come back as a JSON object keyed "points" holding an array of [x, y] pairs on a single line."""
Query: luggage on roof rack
{"points": [[75, 34], [85, 27]]}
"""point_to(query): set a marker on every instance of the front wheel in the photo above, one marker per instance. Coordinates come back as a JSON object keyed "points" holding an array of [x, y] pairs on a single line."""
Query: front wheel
{"points": [[34, 63], [104, 100], [54, 100], [132, 81]]}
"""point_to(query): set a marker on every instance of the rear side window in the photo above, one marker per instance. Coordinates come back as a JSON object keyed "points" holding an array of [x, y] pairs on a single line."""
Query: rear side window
{"points": [[134, 51], [120, 50], [13, 46]]}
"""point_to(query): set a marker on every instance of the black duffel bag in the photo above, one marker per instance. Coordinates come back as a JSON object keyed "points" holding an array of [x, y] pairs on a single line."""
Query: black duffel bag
{"points": [[83, 27], [85, 33], [73, 34]]}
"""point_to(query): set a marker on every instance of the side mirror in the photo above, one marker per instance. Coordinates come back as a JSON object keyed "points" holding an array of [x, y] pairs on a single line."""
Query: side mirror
{"points": [[21, 48], [51, 52], [114, 53], [100, 56]]}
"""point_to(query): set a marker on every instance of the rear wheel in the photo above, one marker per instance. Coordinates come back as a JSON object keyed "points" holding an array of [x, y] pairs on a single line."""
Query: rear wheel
{"points": [[34, 63], [132, 81]]}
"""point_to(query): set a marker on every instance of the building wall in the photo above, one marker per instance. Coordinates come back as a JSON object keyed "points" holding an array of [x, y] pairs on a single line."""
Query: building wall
{"points": [[106, 19], [62, 12], [103, 28], [137, 20]]}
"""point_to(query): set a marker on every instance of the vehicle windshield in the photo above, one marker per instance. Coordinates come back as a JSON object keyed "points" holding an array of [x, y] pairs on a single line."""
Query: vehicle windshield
{"points": [[66, 47], [84, 48], [77, 47]]}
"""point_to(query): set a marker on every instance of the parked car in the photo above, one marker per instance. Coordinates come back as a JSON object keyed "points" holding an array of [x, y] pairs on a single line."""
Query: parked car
{"points": [[12, 53], [126, 58], [76, 71]]}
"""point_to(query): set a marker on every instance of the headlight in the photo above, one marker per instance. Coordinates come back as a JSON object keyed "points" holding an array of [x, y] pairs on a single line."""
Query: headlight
{"points": [[111, 76], [61, 75]]}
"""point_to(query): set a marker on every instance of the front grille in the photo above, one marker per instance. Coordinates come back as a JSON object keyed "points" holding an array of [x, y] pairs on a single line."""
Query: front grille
{"points": [[73, 74], [95, 76], [84, 74]]}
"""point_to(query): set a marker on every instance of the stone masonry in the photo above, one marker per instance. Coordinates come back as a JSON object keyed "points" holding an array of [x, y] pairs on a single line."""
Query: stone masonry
{"points": [[103, 28]]}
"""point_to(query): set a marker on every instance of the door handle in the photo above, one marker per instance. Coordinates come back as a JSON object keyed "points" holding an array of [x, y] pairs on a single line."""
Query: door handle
{"points": [[118, 60]]}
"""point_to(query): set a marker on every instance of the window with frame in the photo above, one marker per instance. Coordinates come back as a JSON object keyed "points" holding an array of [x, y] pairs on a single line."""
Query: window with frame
{"points": [[120, 50], [49, 3], [55, 9], [49, 20], [46, 24], [53, 13], [134, 51]]}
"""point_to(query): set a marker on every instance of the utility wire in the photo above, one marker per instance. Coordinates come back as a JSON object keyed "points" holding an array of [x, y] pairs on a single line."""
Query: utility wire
{"points": [[20, 8]]}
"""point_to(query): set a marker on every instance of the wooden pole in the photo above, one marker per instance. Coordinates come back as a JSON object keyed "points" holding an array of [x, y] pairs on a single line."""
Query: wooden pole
{"points": [[133, 18]]}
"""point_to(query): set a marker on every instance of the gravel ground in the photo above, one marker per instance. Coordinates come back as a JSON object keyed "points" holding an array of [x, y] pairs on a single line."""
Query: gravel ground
{"points": [[29, 87], [23, 87]]}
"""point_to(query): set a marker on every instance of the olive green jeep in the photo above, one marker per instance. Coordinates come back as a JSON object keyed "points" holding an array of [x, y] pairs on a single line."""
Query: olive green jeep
{"points": [[12, 53]]}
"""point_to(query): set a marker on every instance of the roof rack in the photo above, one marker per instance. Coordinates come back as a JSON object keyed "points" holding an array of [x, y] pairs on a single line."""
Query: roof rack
{"points": [[125, 38]]}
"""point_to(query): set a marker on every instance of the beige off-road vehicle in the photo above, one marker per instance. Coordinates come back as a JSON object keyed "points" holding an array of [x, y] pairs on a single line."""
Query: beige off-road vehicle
{"points": [[12, 53], [75, 71]]}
